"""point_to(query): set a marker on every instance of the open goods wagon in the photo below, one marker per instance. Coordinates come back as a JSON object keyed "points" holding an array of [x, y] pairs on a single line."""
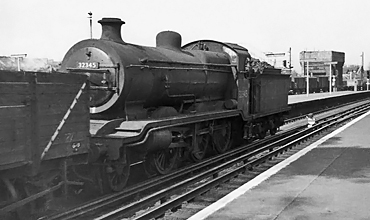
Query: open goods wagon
{"points": [[44, 128], [323, 83], [313, 84], [300, 84]]}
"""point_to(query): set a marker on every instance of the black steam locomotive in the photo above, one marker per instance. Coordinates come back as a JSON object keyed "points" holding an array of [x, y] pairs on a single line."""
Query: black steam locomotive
{"points": [[156, 104]]}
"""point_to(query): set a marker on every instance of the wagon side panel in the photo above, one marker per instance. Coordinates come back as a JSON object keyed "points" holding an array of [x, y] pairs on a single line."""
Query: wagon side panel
{"points": [[15, 119], [63, 102]]}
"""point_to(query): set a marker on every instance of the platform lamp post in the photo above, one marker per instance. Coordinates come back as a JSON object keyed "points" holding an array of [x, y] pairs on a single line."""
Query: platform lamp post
{"points": [[290, 60], [307, 81], [330, 76], [307, 74], [367, 79], [18, 58]]}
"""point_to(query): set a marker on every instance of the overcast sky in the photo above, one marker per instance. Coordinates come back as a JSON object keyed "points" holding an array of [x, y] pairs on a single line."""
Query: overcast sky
{"points": [[48, 28]]}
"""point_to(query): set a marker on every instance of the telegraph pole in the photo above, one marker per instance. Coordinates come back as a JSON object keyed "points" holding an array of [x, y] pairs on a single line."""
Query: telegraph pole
{"points": [[18, 57], [90, 17], [290, 60], [307, 72], [362, 65], [307, 81], [274, 55]]}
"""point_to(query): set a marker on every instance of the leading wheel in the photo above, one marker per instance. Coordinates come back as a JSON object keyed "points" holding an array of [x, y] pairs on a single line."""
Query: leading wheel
{"points": [[117, 173], [222, 137]]}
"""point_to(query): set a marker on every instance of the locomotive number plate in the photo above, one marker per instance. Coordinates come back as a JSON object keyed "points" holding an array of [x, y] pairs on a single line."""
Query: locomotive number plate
{"points": [[88, 65]]}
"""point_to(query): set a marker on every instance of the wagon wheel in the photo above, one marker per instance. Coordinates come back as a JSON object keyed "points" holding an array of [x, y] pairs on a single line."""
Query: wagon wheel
{"points": [[222, 137], [8, 195], [117, 173], [13, 193], [162, 161], [199, 152]]}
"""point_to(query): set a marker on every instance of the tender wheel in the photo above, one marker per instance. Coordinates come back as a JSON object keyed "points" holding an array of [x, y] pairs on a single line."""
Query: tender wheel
{"points": [[273, 131], [161, 162], [261, 131], [262, 134], [222, 137], [117, 173]]}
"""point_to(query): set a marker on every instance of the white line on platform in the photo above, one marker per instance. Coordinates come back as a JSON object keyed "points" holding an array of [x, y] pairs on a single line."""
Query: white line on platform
{"points": [[267, 174]]}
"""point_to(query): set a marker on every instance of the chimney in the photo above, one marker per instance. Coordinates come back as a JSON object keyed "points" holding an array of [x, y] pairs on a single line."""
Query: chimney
{"points": [[169, 40], [111, 29]]}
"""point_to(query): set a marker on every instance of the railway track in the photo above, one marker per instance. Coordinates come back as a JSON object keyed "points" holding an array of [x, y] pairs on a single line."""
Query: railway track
{"points": [[153, 198], [297, 118]]}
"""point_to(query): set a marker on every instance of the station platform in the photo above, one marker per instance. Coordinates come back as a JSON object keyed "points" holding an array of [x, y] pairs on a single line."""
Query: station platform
{"points": [[330, 179], [294, 99]]}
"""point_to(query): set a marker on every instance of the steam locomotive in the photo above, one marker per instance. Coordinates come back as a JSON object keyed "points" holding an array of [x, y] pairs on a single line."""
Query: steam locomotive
{"points": [[158, 106]]}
